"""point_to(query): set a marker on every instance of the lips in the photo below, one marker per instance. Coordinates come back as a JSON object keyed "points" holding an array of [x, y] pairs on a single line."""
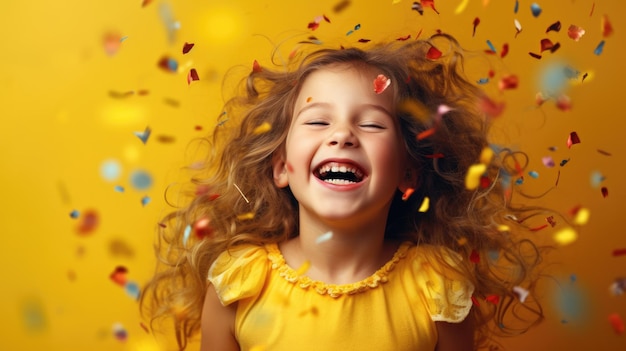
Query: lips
{"points": [[339, 173]]}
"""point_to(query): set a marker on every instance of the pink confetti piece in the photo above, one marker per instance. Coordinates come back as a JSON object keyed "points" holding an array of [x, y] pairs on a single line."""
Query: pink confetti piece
{"points": [[381, 82], [548, 161], [572, 139]]}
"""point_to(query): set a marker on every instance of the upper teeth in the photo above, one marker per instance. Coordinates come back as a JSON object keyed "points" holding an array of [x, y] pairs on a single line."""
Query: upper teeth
{"points": [[337, 168]]}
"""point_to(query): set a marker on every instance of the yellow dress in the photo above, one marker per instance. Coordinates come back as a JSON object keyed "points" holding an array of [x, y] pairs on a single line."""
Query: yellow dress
{"points": [[394, 309]]}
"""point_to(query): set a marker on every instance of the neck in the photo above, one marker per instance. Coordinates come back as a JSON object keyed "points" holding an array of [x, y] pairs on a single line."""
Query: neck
{"points": [[339, 253]]}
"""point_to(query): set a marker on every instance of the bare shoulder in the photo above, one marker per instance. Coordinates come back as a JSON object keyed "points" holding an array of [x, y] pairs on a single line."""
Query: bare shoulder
{"points": [[218, 324], [455, 336]]}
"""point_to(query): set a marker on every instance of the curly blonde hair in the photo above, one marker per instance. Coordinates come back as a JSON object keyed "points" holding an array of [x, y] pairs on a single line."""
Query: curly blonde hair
{"points": [[234, 190]]}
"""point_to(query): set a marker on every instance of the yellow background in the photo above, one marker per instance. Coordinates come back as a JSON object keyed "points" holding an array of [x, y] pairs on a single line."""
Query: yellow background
{"points": [[60, 123]]}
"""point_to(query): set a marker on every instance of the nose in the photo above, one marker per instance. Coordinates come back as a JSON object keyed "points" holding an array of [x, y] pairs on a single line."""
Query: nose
{"points": [[342, 136]]}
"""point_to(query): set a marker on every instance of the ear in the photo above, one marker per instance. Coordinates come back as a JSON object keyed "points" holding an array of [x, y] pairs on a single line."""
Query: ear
{"points": [[408, 181], [279, 170]]}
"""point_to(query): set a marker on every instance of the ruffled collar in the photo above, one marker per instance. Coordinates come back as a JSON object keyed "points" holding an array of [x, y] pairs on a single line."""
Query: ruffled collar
{"points": [[334, 290]]}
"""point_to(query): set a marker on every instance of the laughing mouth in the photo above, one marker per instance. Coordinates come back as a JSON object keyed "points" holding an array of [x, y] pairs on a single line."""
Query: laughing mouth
{"points": [[339, 173]]}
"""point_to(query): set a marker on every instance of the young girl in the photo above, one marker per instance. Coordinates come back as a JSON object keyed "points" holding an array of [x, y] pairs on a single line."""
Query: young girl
{"points": [[335, 212]]}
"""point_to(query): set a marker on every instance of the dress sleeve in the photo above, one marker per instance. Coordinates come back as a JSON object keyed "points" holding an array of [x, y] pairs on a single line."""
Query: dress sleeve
{"points": [[446, 292], [239, 273]]}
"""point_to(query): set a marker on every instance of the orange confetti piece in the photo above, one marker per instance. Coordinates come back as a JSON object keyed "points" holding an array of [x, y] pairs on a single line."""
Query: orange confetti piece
{"points": [[431, 4], [309, 99], [607, 28], [256, 67], [119, 275], [407, 194], [426, 133], [245, 216], [575, 32], [617, 323]]}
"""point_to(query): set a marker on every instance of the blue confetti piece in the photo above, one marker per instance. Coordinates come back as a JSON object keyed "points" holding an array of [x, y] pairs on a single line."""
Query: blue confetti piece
{"points": [[516, 8], [493, 48], [519, 181], [535, 9], [132, 289], [350, 32], [145, 200], [564, 162], [573, 278], [74, 214], [483, 81], [186, 234], [123, 38], [533, 174], [357, 27], [141, 180], [599, 48], [119, 188], [596, 179], [110, 170], [143, 136], [493, 255]]}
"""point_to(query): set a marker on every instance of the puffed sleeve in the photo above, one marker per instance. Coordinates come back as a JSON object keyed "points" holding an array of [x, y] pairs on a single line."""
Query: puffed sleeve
{"points": [[446, 292], [239, 273]]}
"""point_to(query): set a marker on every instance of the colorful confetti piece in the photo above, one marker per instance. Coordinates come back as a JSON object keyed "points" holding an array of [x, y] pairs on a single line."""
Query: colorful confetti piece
{"points": [[598, 50], [143, 136], [554, 27], [381, 83], [535, 9], [141, 180], [522, 293], [607, 28], [192, 76], [425, 205], [263, 128], [324, 237], [187, 47], [565, 236], [575, 32], [616, 323], [433, 53], [572, 139]]}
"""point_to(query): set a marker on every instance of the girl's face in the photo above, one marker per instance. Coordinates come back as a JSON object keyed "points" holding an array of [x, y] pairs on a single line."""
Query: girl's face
{"points": [[344, 155]]}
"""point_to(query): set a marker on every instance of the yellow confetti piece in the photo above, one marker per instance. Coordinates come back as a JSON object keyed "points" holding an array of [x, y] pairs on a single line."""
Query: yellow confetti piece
{"points": [[486, 155], [393, 2], [425, 204], [245, 216], [472, 178], [263, 128], [582, 216], [461, 7], [566, 236], [503, 228], [415, 109], [303, 268]]}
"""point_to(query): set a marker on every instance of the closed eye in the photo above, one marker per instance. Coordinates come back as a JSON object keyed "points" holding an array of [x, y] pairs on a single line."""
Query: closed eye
{"points": [[374, 126], [316, 123]]}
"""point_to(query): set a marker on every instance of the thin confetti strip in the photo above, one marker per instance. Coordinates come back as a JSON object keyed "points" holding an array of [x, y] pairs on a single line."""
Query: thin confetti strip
{"points": [[381, 83], [491, 46], [426, 133]]}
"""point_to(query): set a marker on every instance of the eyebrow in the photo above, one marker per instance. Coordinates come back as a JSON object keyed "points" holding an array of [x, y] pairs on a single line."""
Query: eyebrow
{"points": [[328, 105]]}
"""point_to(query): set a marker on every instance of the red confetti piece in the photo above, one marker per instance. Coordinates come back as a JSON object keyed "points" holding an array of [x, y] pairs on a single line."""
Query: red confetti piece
{"points": [[546, 44], [536, 229], [605, 153], [491, 73], [407, 194], [433, 53], [490, 107], [564, 103], [485, 182], [537, 56], [256, 67], [407, 37], [381, 82], [475, 23], [505, 50], [431, 4], [616, 323], [572, 139], [437, 155], [187, 47], [202, 228], [192, 76], [619, 252], [119, 275], [556, 27], [494, 299], [551, 221], [475, 301], [89, 222], [508, 82], [313, 25], [364, 40], [607, 28], [605, 192], [593, 6], [575, 32], [326, 18], [426, 133], [474, 257]]}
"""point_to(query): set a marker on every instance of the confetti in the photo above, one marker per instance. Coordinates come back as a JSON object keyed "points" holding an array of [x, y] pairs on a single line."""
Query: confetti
{"points": [[505, 50], [431, 4], [192, 76], [565, 236], [425, 134], [433, 53], [381, 83], [324, 237], [516, 7], [256, 67], [112, 42], [551, 221], [186, 234], [475, 301], [582, 216], [263, 128], [572, 139], [74, 214], [119, 332], [490, 107], [494, 299], [575, 32], [605, 191], [491, 47], [417, 7], [474, 257], [518, 27], [508, 82], [535, 9], [202, 228], [537, 56], [145, 3], [522, 293], [168, 64], [554, 27], [119, 275], [605, 153], [425, 205], [619, 252], [548, 161], [187, 47], [119, 188], [533, 174], [145, 200], [616, 322], [607, 28], [167, 18], [141, 180], [132, 289], [596, 179], [475, 24], [546, 44], [340, 6], [143, 136], [598, 50], [482, 81], [89, 222], [245, 216], [618, 287], [404, 38], [364, 40], [407, 194], [33, 314]]}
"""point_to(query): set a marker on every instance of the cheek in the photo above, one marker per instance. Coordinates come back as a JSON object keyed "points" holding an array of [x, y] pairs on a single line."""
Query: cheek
{"points": [[289, 167]]}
